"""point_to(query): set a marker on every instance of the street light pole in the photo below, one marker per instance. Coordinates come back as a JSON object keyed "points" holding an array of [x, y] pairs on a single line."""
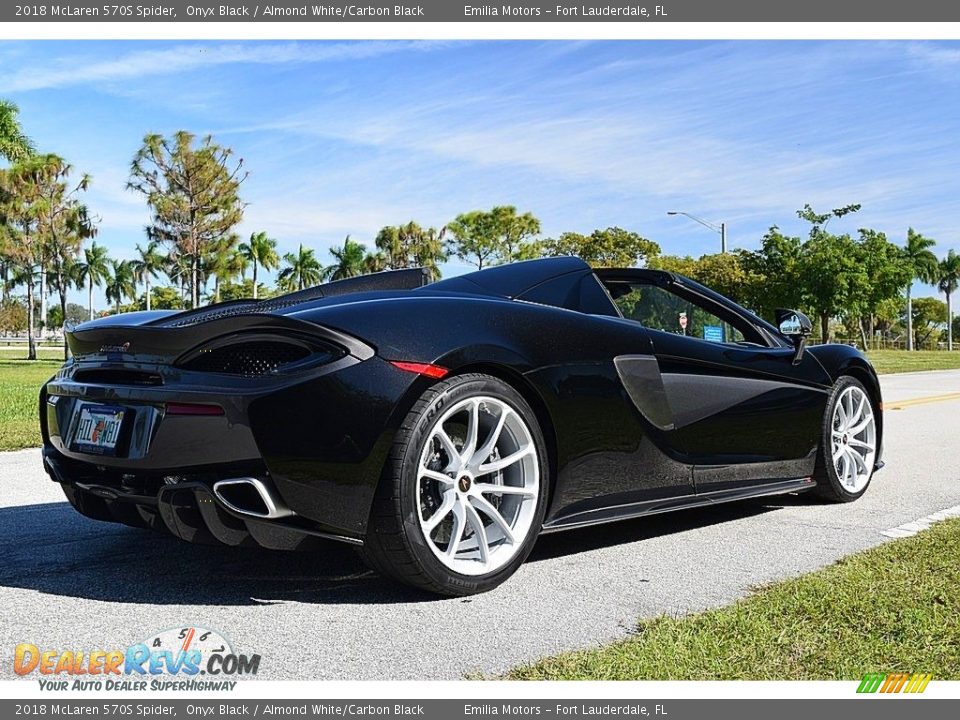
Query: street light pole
{"points": [[721, 228]]}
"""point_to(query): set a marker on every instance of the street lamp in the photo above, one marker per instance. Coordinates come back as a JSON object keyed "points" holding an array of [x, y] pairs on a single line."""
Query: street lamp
{"points": [[721, 228]]}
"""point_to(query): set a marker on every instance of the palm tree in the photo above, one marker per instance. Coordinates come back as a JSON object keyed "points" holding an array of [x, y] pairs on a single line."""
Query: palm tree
{"points": [[948, 279], [226, 263], [148, 264], [303, 270], [177, 268], [923, 265], [14, 145], [120, 284], [94, 269], [261, 252], [350, 261]]}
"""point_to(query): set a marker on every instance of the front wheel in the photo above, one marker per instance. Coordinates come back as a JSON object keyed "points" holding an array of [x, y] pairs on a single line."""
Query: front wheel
{"points": [[848, 449], [464, 493]]}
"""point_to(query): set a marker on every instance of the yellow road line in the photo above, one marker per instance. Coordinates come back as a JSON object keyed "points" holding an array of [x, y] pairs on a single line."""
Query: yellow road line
{"points": [[900, 404]]}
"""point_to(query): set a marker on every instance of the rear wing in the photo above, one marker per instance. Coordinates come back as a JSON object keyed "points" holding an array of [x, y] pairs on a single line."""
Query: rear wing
{"points": [[407, 279]]}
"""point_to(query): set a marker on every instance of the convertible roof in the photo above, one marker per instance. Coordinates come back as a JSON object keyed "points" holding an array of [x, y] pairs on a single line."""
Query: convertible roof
{"points": [[514, 279]]}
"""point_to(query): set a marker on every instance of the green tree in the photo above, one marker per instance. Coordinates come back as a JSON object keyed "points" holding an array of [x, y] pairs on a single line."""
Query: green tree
{"points": [[830, 271], [193, 193], [613, 247], [64, 223], [775, 272], [349, 261], [76, 314], [163, 297], [13, 316], [832, 278], [495, 236], [178, 270], [14, 145], [120, 284], [375, 262], [225, 263], [948, 279], [302, 270], [923, 266], [685, 265], [725, 273], [887, 273], [929, 314], [93, 269], [242, 290], [410, 245], [21, 212], [260, 252], [147, 265]]}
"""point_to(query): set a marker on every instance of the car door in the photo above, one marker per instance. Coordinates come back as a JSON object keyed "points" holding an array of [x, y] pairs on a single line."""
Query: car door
{"points": [[732, 402]]}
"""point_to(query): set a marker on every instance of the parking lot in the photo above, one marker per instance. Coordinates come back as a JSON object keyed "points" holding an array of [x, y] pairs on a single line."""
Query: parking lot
{"points": [[72, 583]]}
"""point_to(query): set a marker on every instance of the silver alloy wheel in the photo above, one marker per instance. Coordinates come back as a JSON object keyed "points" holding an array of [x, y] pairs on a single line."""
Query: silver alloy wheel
{"points": [[478, 480], [853, 439]]}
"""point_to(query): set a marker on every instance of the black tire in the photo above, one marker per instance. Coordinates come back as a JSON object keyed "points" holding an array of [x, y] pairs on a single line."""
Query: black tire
{"points": [[394, 545], [829, 488]]}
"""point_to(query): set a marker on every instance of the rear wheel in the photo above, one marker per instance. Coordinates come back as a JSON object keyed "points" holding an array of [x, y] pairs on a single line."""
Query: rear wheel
{"points": [[848, 449], [465, 490]]}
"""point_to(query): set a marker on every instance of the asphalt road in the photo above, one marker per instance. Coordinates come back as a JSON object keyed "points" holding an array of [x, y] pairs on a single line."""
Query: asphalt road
{"points": [[70, 582]]}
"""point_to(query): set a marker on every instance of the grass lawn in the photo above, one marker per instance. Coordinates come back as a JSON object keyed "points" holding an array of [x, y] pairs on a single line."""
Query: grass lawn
{"points": [[894, 361], [20, 382], [893, 608]]}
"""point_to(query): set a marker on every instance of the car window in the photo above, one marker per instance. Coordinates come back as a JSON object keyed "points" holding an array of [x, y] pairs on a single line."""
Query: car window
{"points": [[659, 309]]}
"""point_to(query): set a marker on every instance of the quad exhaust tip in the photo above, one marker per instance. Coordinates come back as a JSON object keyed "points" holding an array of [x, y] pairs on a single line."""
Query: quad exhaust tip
{"points": [[251, 496]]}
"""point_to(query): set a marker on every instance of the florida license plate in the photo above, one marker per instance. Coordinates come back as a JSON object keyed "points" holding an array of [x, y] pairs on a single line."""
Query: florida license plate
{"points": [[98, 429]]}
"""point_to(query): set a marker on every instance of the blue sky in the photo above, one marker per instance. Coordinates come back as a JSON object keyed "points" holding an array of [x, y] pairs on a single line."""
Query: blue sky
{"points": [[343, 138]]}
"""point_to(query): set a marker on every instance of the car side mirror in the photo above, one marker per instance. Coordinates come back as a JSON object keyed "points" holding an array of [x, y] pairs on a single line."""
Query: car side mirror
{"points": [[796, 327]]}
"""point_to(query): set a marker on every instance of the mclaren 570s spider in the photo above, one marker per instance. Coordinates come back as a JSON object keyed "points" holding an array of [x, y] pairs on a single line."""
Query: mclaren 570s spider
{"points": [[441, 427]]}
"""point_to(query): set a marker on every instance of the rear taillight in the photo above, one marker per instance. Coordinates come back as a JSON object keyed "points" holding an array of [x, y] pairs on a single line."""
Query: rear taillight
{"points": [[431, 371]]}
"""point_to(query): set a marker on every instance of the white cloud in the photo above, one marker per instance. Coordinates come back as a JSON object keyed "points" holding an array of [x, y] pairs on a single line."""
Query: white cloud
{"points": [[182, 58]]}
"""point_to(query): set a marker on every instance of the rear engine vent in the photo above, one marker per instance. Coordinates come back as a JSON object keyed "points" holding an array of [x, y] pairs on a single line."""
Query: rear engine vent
{"points": [[117, 376], [251, 358]]}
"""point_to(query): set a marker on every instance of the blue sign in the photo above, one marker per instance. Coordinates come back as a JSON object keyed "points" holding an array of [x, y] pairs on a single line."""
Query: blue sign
{"points": [[713, 333]]}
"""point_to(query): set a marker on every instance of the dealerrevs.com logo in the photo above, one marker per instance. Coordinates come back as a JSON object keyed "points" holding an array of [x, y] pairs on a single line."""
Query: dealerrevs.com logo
{"points": [[197, 659]]}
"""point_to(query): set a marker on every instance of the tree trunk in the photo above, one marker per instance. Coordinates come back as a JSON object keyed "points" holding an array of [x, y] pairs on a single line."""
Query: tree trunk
{"points": [[31, 340], [194, 282], [909, 319], [863, 334], [254, 279], [43, 301], [873, 329], [216, 289], [949, 323], [63, 314], [146, 283], [824, 327], [90, 294]]}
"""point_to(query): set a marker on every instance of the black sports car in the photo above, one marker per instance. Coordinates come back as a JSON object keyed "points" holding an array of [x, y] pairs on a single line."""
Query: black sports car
{"points": [[441, 427]]}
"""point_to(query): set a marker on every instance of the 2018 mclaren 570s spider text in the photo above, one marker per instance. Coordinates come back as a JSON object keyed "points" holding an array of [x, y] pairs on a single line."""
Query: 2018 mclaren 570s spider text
{"points": [[442, 427]]}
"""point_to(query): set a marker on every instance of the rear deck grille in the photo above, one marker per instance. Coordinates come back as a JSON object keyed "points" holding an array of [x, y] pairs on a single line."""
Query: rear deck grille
{"points": [[248, 359]]}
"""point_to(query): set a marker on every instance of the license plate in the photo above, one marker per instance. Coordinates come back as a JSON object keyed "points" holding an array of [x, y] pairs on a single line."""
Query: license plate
{"points": [[98, 429]]}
